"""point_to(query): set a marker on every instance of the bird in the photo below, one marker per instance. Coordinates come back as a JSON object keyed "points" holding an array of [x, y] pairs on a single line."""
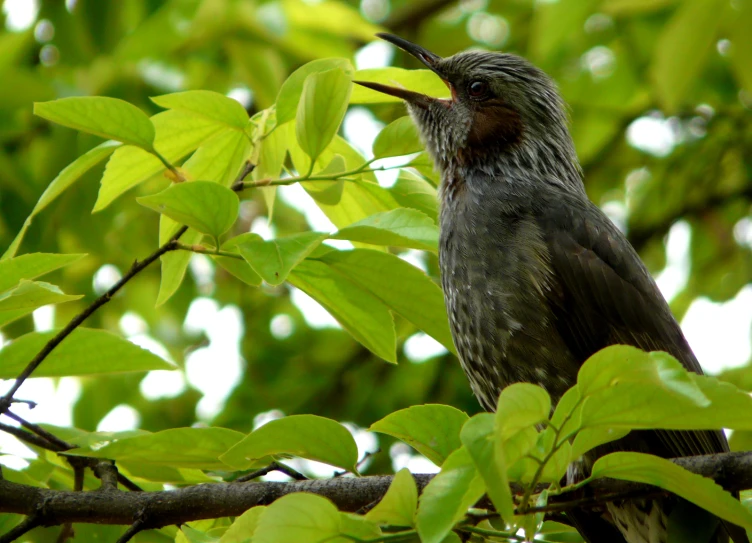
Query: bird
{"points": [[536, 278]]}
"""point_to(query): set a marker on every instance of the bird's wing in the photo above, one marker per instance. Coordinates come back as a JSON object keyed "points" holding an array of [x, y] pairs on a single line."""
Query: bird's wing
{"points": [[604, 296]]}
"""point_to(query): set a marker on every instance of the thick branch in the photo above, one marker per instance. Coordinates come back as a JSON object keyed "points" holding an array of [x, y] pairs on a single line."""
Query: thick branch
{"points": [[155, 509], [639, 236], [415, 13]]}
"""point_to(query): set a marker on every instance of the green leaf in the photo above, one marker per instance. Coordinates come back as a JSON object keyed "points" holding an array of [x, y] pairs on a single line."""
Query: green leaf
{"points": [[590, 438], [207, 207], [401, 227], [652, 470], [274, 259], [329, 192], [306, 436], [314, 520], [398, 138], [174, 263], [433, 430], [414, 192], [178, 133], [739, 26], [32, 265], [205, 103], [198, 448], [478, 437], [321, 109], [683, 49], [64, 180], [244, 526], [423, 81], [28, 296], [84, 352], [192, 535], [520, 406], [446, 499], [623, 384], [400, 502], [219, 158], [289, 94], [400, 285], [110, 118], [367, 319], [357, 528], [237, 267]]}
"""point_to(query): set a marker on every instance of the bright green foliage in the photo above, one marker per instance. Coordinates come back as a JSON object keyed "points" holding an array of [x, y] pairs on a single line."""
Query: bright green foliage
{"points": [[178, 447], [242, 529], [208, 104], [316, 520], [274, 259], [447, 497], [84, 352], [28, 296], [102, 116], [400, 137], [291, 64], [399, 504], [204, 206], [321, 109], [401, 227], [645, 468], [289, 94], [433, 430], [306, 436]]}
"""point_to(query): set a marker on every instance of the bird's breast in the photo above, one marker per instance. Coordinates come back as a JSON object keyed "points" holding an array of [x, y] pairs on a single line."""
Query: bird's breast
{"points": [[496, 278]]}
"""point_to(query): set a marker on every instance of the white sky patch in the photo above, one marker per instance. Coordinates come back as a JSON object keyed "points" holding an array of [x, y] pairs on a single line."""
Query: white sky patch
{"points": [[121, 418], [215, 370], [653, 135], [132, 324], [241, 94], [261, 226], [360, 128], [44, 318], [281, 326], [313, 312], [161, 76], [267, 416], [297, 197], [673, 278], [404, 457], [20, 14], [377, 54], [719, 333], [421, 347], [416, 258], [54, 400], [105, 277]]}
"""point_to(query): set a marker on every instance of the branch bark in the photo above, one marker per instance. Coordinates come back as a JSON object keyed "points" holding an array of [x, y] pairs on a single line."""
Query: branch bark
{"points": [[151, 510]]}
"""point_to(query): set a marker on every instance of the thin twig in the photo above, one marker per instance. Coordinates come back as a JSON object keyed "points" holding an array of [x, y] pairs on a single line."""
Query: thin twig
{"points": [[132, 530], [28, 524], [85, 314], [274, 466], [28, 437], [41, 432]]}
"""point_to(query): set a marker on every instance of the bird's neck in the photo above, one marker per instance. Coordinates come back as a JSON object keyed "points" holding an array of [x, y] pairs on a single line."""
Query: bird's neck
{"points": [[541, 158]]}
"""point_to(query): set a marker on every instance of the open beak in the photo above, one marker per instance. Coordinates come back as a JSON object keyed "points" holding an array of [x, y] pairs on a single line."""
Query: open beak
{"points": [[424, 55]]}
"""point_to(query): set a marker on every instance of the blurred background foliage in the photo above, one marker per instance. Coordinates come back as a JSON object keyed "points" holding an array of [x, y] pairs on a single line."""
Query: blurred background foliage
{"points": [[660, 94]]}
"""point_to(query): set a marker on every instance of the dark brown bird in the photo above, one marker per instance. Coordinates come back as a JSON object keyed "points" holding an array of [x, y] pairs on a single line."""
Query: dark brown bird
{"points": [[536, 278]]}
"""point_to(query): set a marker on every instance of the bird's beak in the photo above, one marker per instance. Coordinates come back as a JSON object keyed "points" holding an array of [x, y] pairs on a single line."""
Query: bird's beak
{"points": [[424, 55]]}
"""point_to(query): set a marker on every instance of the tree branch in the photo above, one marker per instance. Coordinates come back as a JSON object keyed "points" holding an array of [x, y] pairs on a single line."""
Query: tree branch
{"points": [[76, 321], [414, 14], [150, 510], [640, 235]]}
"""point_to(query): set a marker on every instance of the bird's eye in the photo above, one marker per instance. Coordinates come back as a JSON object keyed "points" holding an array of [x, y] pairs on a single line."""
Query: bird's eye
{"points": [[477, 89]]}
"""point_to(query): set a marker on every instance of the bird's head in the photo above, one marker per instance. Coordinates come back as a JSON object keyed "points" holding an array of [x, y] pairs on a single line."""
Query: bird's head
{"points": [[501, 105]]}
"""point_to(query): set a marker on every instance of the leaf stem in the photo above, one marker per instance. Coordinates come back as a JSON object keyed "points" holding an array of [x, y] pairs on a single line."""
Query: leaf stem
{"points": [[489, 533], [179, 177], [388, 537], [207, 251]]}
